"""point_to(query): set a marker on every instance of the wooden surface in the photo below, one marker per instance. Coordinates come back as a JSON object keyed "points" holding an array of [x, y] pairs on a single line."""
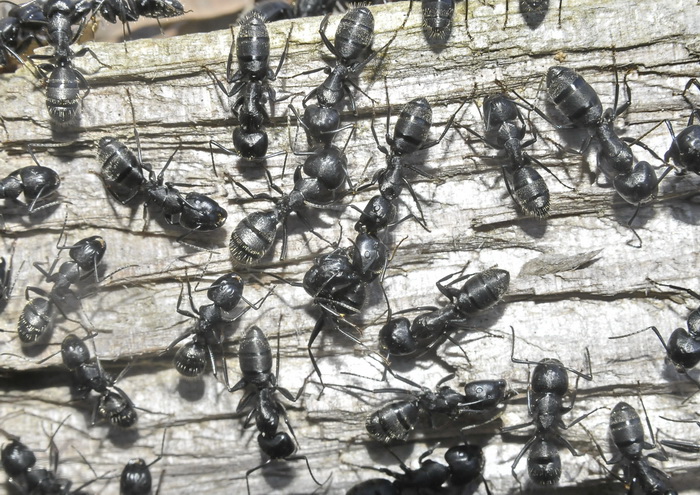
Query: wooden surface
{"points": [[557, 304]]}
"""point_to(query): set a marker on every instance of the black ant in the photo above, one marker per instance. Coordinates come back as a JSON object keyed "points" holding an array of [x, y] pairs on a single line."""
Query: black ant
{"points": [[35, 321], [465, 464], [549, 384], [396, 420], [505, 130], [683, 346], [113, 404], [627, 433], [225, 293], [480, 291], [36, 182], [636, 182], [685, 148], [124, 176], [136, 479], [251, 83]]}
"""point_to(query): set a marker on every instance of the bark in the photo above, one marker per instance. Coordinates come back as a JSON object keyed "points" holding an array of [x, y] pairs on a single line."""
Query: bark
{"points": [[575, 281]]}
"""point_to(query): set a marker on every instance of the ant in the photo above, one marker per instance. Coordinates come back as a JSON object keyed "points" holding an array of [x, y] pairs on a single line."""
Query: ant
{"points": [[396, 420], [505, 128], [136, 479], [255, 361], [465, 464], [123, 175], [36, 318], [19, 461], [480, 291], [685, 148], [683, 346], [627, 434], [225, 293], [251, 82], [636, 183], [36, 182], [113, 404], [352, 50], [64, 81], [410, 136], [253, 237], [549, 384]]}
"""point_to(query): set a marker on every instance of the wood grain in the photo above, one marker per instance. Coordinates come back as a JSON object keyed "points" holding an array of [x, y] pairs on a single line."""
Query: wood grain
{"points": [[575, 281]]}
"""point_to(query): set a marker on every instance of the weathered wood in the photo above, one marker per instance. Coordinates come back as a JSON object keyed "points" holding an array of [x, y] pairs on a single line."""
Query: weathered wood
{"points": [[555, 313]]}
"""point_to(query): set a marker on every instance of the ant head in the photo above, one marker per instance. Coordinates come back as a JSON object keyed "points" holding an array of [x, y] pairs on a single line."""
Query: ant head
{"points": [[88, 252], [395, 338], [378, 213], [17, 458], [485, 394], [74, 352], [466, 463], [226, 291], [550, 376]]}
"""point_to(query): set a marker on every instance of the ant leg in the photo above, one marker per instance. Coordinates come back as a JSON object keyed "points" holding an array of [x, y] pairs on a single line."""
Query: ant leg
{"points": [[284, 55], [250, 471], [324, 38], [525, 448], [308, 466], [314, 333], [629, 226], [447, 128]]}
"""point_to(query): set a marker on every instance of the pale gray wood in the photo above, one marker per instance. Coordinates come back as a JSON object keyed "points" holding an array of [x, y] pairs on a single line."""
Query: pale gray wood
{"points": [[555, 313]]}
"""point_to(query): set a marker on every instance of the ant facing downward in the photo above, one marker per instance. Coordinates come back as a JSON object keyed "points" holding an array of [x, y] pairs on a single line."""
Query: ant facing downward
{"points": [[549, 384]]}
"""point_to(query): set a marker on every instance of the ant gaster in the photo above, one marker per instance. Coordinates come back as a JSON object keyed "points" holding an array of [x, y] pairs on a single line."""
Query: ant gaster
{"points": [[136, 478]]}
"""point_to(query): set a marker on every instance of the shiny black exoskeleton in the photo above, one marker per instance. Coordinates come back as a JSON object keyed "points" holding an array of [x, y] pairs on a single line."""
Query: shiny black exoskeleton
{"points": [[124, 175], [64, 81], [136, 476], [683, 345], [685, 147], [276, 10], [627, 433], [24, 24], [250, 91], [396, 420], [505, 130], [352, 50], [253, 237], [5, 280], [255, 361], [88, 376], [36, 182], [19, 463], [636, 183], [480, 291], [465, 464], [130, 10], [410, 136], [549, 384], [35, 321], [225, 293]]}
